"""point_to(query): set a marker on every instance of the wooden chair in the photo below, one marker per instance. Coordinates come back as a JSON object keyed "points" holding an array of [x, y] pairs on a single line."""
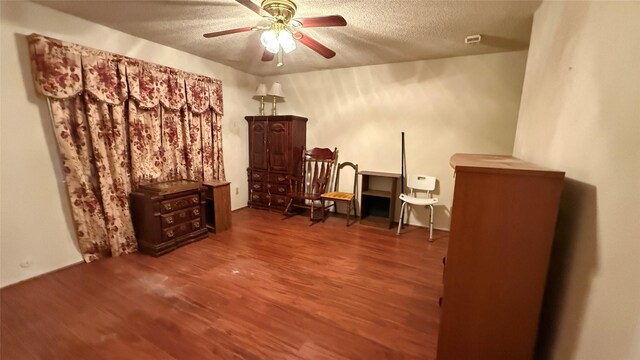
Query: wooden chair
{"points": [[304, 192], [338, 196]]}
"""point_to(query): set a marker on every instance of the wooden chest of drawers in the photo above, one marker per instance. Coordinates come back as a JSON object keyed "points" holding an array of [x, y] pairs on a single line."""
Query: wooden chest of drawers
{"points": [[502, 228], [167, 215], [268, 190]]}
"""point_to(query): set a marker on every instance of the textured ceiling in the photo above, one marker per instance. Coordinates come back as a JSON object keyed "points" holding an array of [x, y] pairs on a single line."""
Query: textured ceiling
{"points": [[378, 31]]}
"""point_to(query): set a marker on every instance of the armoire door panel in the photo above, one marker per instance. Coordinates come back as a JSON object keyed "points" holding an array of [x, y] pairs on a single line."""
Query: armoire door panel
{"points": [[258, 145], [279, 149]]}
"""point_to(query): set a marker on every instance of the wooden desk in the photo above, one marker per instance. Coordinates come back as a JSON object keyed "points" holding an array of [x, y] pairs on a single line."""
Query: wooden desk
{"points": [[377, 206], [218, 205]]}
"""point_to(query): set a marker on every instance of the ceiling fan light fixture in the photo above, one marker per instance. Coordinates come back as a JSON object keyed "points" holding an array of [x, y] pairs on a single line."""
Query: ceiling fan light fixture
{"points": [[281, 35], [270, 41], [286, 41]]}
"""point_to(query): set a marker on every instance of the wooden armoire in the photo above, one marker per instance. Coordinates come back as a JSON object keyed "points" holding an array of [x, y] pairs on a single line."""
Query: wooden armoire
{"points": [[275, 151], [502, 226]]}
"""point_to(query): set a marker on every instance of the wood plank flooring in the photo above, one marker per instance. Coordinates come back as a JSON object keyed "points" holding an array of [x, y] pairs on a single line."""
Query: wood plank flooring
{"points": [[268, 288]]}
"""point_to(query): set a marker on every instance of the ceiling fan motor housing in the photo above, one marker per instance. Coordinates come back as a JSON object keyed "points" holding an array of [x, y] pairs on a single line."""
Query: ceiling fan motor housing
{"points": [[282, 10]]}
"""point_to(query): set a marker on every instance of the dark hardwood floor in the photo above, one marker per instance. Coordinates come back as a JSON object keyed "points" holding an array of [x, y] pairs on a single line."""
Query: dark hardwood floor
{"points": [[268, 288]]}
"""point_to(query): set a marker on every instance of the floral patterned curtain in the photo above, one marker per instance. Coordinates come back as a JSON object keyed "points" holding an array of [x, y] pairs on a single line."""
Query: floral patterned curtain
{"points": [[120, 122], [217, 164], [203, 122], [174, 99], [145, 129]]}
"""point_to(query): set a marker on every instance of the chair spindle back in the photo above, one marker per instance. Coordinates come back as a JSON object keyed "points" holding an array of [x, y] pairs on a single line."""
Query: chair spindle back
{"points": [[317, 165]]}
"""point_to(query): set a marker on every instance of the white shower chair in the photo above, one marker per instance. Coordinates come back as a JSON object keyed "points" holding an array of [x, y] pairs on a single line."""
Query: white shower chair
{"points": [[422, 183]]}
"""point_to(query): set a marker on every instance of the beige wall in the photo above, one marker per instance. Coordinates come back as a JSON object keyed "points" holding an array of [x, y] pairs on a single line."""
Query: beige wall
{"points": [[445, 106], [580, 113], [35, 218]]}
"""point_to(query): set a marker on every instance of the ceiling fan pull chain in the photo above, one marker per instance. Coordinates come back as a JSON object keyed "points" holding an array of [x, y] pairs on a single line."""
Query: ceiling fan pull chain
{"points": [[280, 58]]}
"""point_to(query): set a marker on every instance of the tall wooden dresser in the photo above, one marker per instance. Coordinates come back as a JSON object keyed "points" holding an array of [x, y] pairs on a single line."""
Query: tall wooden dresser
{"points": [[275, 150], [502, 227], [167, 215]]}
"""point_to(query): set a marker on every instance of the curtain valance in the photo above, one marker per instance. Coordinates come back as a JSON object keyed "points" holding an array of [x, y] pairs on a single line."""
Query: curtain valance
{"points": [[62, 70], [151, 88]]}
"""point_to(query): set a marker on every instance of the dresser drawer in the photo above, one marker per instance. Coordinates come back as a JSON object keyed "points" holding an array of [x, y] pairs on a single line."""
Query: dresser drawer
{"points": [[280, 189], [181, 216], [259, 198], [257, 186], [279, 178], [179, 203], [278, 201], [175, 232], [258, 176]]}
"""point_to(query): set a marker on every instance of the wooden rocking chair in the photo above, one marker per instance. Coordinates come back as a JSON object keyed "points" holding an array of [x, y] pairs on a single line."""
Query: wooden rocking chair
{"points": [[304, 192]]}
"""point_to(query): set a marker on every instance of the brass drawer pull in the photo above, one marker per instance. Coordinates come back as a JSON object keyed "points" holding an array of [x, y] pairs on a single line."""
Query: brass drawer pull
{"points": [[195, 212], [167, 206], [170, 220], [280, 201], [194, 200], [281, 189], [183, 215], [170, 233], [281, 178], [256, 186], [196, 224], [255, 197]]}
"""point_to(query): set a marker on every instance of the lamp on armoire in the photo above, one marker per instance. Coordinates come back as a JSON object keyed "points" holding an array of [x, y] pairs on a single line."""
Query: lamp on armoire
{"points": [[276, 93], [261, 92]]}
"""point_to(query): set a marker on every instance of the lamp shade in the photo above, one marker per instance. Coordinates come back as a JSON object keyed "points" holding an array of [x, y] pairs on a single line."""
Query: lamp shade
{"points": [[261, 90], [276, 90]]}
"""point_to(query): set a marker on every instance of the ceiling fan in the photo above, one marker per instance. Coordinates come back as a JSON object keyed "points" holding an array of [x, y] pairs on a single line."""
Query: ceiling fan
{"points": [[280, 36]]}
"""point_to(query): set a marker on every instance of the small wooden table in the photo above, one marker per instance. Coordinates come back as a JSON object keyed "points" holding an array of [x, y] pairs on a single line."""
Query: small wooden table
{"points": [[218, 205], [377, 206]]}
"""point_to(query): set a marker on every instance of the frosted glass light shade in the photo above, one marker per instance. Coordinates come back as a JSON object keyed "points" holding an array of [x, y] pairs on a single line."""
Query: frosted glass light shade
{"points": [[261, 90], [276, 90], [270, 41], [286, 41]]}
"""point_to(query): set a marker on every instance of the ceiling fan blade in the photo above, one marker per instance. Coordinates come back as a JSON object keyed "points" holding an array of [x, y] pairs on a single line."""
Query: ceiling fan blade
{"points": [[315, 46], [322, 21], [267, 55], [253, 7], [227, 32]]}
